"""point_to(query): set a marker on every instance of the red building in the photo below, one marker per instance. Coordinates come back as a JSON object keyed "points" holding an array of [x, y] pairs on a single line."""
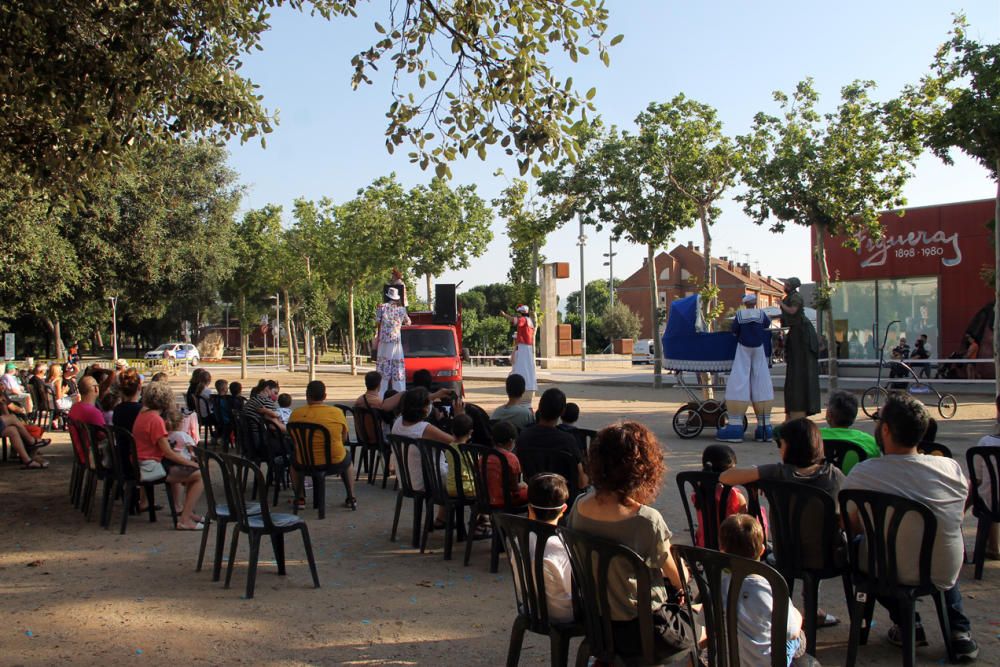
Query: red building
{"points": [[680, 273], [925, 271]]}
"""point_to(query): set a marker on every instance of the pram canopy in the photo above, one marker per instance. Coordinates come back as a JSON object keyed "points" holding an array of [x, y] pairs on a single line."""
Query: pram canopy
{"points": [[687, 346]]}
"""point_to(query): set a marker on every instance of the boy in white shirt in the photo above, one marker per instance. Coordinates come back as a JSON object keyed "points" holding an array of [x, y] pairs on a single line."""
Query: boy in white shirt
{"points": [[547, 496], [742, 535], [985, 488]]}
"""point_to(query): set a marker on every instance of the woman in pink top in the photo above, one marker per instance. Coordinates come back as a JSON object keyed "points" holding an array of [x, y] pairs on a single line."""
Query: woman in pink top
{"points": [[153, 450]]}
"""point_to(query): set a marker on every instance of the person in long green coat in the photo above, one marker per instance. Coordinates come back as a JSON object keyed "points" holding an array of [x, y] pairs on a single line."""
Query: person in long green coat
{"points": [[801, 355]]}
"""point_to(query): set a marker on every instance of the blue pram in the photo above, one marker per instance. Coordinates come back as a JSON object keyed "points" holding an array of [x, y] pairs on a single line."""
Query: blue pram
{"points": [[688, 347]]}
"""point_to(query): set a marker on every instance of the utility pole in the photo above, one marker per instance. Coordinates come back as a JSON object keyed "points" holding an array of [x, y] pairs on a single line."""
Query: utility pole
{"points": [[582, 242], [114, 327], [610, 254]]}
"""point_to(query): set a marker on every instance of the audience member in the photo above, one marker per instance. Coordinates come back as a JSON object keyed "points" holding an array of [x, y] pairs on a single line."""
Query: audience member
{"points": [[129, 384], [626, 467], [236, 392], [742, 535], [85, 410], [569, 418], [262, 406], [37, 382], [513, 411], [159, 377], [316, 411], [547, 495], [985, 486], [54, 379], [461, 431], [932, 429], [939, 483], [544, 434], [284, 407], [157, 459], [373, 401], [841, 411], [718, 459], [16, 392], [504, 435], [108, 403], [24, 443], [180, 441]]}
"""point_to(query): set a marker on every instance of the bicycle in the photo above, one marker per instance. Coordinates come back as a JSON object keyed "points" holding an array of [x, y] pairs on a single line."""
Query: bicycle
{"points": [[874, 397]]}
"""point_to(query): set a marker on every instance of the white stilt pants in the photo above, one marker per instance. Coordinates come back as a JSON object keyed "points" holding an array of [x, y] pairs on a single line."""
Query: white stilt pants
{"points": [[750, 379]]}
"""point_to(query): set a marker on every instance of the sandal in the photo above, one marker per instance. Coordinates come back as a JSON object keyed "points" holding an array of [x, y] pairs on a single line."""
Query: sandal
{"points": [[351, 503], [41, 442], [300, 503], [34, 465], [197, 526], [482, 532], [824, 620]]}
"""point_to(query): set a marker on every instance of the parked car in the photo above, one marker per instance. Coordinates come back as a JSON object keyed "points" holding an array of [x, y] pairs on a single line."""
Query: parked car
{"points": [[176, 351], [643, 351]]}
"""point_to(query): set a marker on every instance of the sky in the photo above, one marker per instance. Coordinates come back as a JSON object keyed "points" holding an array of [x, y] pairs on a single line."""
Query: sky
{"points": [[731, 54]]}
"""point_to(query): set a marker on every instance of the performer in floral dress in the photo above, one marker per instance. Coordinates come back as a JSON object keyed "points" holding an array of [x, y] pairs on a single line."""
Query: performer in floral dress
{"points": [[390, 317]]}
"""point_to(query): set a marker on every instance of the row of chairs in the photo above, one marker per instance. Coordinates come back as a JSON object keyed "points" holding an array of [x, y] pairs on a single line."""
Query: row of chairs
{"points": [[868, 574]]}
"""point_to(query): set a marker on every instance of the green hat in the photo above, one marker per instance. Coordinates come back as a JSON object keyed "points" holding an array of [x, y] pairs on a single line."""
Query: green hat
{"points": [[11, 366]]}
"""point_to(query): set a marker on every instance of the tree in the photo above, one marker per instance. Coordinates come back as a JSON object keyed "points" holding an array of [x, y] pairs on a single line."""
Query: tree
{"points": [[598, 299], [85, 80], [527, 227], [701, 163], [447, 228], [616, 182], [955, 107], [830, 172], [620, 322]]}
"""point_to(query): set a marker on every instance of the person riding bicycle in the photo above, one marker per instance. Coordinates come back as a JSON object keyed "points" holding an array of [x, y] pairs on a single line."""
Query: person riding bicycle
{"points": [[900, 353]]}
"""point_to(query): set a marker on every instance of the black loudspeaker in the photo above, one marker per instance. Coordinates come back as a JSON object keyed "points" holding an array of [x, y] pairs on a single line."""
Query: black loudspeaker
{"points": [[445, 304]]}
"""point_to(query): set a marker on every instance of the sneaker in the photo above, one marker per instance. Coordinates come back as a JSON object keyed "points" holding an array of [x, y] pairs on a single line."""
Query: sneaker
{"points": [[730, 433], [768, 433], [964, 646], [758, 433], [895, 636]]}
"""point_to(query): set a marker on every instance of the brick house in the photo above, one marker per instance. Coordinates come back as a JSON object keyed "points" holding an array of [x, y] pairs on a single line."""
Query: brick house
{"points": [[679, 274]]}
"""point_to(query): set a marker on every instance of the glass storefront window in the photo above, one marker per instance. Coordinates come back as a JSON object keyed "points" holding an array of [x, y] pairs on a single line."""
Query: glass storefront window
{"points": [[857, 305]]}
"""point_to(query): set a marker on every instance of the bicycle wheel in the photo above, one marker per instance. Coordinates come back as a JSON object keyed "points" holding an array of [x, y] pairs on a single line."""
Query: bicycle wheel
{"points": [[687, 423], [947, 406], [873, 399]]}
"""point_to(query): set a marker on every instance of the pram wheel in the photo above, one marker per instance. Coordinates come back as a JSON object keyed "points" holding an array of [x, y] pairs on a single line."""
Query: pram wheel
{"points": [[947, 406], [687, 423]]}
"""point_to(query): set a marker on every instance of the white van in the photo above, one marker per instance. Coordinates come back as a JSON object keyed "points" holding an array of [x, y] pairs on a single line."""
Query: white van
{"points": [[643, 351]]}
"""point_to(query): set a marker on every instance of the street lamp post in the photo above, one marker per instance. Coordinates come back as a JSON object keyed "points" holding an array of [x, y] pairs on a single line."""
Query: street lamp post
{"points": [[582, 242], [610, 254], [114, 327]]}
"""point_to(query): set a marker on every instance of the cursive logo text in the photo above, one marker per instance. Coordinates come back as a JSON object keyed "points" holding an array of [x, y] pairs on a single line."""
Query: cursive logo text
{"points": [[920, 241]]}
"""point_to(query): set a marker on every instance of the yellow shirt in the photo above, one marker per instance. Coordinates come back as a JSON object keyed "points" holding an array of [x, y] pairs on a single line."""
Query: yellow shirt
{"points": [[334, 421]]}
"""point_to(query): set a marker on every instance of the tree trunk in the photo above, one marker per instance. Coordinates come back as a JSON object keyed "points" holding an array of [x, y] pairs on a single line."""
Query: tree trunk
{"points": [[996, 286], [244, 339], [706, 236], [430, 300], [98, 339], [350, 327], [55, 329], [293, 334], [288, 331], [310, 358], [827, 303], [654, 325]]}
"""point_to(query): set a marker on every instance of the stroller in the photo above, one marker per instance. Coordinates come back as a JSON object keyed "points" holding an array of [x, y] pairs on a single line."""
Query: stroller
{"points": [[688, 347]]}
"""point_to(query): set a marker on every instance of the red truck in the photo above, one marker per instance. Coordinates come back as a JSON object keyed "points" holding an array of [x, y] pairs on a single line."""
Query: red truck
{"points": [[431, 342]]}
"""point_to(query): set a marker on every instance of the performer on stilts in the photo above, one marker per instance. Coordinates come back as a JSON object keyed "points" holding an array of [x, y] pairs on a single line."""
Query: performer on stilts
{"points": [[391, 316], [524, 355], [750, 378]]}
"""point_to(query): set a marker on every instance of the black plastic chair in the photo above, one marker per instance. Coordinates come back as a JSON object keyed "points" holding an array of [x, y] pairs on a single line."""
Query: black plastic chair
{"points": [[96, 471], [370, 432], [56, 413], [276, 453], [835, 451], [477, 460], [540, 459], [215, 511], [224, 420], [583, 437], [708, 567], [116, 478], [482, 425], [519, 535], [986, 510], [304, 461], [431, 456], [591, 558], [704, 484], [257, 525], [81, 456], [205, 420], [799, 514], [125, 444], [935, 449], [351, 444], [401, 448], [874, 518]]}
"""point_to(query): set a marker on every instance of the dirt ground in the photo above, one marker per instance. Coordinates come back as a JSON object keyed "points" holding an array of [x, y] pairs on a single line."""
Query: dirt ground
{"points": [[71, 591]]}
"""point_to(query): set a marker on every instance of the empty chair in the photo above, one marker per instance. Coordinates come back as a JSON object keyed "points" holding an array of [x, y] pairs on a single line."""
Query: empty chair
{"points": [[215, 511], [256, 526], [524, 541]]}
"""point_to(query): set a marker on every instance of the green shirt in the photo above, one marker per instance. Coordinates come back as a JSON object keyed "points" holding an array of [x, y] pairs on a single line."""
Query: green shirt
{"points": [[866, 441]]}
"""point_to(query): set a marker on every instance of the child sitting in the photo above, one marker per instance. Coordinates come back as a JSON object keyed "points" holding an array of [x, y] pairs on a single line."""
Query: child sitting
{"points": [[284, 407], [223, 412], [569, 418], [179, 439], [236, 394], [504, 435], [461, 429], [986, 486], [742, 535], [547, 496], [718, 458]]}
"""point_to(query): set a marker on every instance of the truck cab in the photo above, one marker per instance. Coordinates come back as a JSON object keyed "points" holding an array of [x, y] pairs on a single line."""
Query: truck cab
{"points": [[434, 347]]}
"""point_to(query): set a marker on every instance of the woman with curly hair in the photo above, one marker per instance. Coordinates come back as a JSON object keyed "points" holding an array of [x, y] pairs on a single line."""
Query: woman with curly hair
{"points": [[626, 468]]}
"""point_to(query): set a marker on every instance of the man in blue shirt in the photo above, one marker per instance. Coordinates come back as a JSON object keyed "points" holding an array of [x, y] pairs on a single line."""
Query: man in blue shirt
{"points": [[750, 378]]}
